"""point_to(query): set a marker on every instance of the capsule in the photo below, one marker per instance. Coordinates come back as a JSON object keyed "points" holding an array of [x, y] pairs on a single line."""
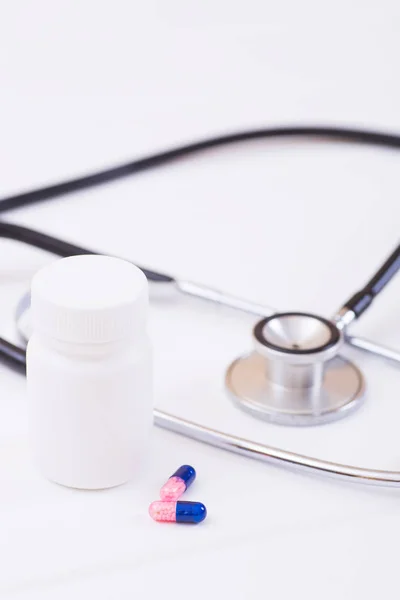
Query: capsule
{"points": [[177, 512], [178, 483]]}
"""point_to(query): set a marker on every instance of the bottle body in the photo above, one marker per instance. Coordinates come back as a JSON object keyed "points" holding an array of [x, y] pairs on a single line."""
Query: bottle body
{"points": [[90, 410]]}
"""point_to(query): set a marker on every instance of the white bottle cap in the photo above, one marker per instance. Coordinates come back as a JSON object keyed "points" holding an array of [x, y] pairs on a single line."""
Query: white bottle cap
{"points": [[90, 299]]}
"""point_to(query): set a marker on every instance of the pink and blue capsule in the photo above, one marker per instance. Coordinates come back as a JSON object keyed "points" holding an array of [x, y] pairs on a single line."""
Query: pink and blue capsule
{"points": [[178, 483], [177, 512]]}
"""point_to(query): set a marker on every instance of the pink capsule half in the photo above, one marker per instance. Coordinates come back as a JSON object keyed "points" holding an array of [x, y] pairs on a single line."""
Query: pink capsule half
{"points": [[178, 483], [163, 511], [173, 489]]}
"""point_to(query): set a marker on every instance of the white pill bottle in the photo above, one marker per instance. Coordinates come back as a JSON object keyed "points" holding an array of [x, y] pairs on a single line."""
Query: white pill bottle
{"points": [[89, 372]]}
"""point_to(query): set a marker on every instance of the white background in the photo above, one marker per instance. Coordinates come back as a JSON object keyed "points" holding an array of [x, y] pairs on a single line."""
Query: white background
{"points": [[298, 226]]}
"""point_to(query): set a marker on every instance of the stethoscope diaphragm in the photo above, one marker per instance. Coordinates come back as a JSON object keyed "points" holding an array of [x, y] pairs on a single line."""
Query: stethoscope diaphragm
{"points": [[295, 375]]}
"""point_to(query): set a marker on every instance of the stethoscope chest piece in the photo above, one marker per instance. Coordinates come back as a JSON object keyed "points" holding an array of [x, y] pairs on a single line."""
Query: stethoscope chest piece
{"points": [[295, 376]]}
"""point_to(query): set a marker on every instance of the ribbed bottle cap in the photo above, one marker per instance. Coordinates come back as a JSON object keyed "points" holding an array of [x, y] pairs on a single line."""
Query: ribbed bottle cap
{"points": [[89, 299]]}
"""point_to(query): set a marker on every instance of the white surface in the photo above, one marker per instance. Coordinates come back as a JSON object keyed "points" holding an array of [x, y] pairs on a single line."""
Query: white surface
{"points": [[294, 225]]}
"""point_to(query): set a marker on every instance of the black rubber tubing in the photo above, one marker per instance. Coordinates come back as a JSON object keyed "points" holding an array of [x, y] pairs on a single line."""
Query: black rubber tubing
{"points": [[31, 237], [342, 134], [15, 355]]}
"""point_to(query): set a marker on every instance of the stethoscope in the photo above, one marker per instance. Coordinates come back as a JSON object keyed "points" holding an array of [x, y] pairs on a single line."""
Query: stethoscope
{"points": [[295, 374]]}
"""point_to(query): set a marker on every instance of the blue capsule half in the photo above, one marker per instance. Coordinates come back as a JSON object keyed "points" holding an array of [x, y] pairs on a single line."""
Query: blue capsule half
{"points": [[190, 512], [186, 473]]}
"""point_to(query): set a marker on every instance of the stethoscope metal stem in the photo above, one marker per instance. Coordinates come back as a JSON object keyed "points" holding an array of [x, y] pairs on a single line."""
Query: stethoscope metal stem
{"points": [[271, 455], [373, 348], [218, 297]]}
